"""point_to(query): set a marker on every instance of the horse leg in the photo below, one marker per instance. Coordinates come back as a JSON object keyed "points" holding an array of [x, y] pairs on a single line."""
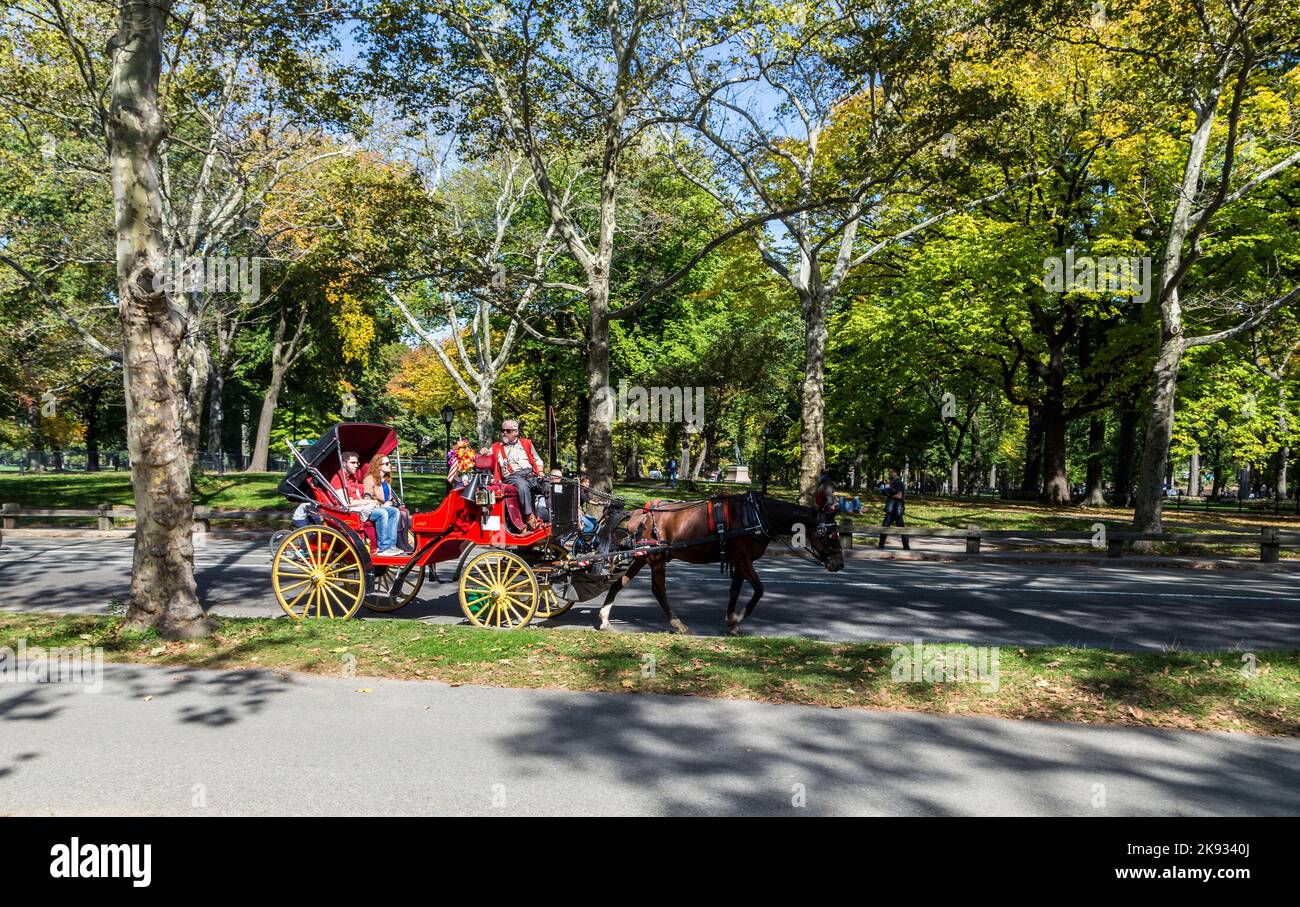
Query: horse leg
{"points": [[737, 579], [746, 569], [603, 622], [659, 583]]}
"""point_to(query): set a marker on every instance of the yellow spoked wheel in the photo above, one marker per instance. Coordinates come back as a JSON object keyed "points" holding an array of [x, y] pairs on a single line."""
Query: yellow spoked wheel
{"points": [[549, 604], [378, 600], [317, 571], [498, 589]]}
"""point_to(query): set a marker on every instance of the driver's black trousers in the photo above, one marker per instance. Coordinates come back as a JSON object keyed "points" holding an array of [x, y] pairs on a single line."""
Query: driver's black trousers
{"points": [[523, 482]]}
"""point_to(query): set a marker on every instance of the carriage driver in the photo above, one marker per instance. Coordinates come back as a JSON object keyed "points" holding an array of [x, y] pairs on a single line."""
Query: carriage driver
{"points": [[515, 461]]}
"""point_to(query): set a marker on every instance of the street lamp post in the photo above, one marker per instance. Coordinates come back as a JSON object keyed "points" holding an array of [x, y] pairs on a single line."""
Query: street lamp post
{"points": [[447, 415]]}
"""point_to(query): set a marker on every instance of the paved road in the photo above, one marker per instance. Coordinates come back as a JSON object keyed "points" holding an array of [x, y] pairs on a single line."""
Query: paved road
{"points": [[989, 603], [258, 743]]}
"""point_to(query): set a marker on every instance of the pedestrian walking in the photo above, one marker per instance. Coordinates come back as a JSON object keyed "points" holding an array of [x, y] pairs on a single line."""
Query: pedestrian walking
{"points": [[894, 490]]}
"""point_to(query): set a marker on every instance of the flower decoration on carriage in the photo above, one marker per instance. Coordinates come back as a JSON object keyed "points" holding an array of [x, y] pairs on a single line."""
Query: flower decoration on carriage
{"points": [[461, 456]]}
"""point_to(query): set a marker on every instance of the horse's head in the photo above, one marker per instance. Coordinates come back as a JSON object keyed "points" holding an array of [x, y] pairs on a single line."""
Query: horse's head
{"points": [[825, 542]]}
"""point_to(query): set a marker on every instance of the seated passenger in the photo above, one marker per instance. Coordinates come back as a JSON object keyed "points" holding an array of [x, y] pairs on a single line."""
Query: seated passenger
{"points": [[515, 462], [351, 483], [385, 515]]}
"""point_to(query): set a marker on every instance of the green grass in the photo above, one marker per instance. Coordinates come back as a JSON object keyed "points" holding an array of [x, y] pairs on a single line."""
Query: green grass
{"points": [[1202, 691]]}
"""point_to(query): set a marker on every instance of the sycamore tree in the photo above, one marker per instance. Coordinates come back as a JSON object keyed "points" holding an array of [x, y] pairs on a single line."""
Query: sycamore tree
{"points": [[147, 82], [489, 251], [843, 117], [338, 229], [577, 89], [1219, 81]]}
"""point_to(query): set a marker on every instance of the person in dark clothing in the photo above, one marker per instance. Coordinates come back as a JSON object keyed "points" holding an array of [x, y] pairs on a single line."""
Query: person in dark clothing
{"points": [[893, 491]]}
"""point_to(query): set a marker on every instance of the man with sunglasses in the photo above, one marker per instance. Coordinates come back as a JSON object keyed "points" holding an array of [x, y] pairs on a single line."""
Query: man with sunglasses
{"points": [[514, 460]]}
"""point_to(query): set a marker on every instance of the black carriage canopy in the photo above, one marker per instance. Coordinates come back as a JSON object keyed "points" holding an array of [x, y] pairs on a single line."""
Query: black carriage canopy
{"points": [[323, 460]]}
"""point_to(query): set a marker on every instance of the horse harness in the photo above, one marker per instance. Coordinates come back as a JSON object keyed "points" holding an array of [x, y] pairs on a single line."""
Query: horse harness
{"points": [[753, 524]]}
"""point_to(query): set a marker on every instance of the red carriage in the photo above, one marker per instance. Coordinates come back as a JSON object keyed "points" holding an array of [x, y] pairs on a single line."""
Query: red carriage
{"points": [[508, 574]]}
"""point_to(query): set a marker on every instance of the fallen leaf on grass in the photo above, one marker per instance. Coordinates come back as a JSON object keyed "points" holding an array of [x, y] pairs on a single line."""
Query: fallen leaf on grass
{"points": [[1136, 712], [157, 650]]}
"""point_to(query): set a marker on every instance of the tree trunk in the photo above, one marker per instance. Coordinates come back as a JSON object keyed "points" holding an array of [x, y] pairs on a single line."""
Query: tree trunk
{"points": [[1160, 431], [600, 412], [1284, 453], [812, 439], [1056, 481], [197, 366], [632, 466], [267, 417], [706, 451], [1033, 480], [483, 422], [163, 592], [1194, 474], [216, 411], [580, 433], [1096, 449], [1125, 454], [94, 396]]}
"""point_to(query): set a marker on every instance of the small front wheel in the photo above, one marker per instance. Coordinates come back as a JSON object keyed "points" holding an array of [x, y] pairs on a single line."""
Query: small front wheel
{"points": [[381, 601]]}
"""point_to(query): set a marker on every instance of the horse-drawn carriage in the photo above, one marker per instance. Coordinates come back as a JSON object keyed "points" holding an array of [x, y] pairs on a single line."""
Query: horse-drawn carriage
{"points": [[509, 574]]}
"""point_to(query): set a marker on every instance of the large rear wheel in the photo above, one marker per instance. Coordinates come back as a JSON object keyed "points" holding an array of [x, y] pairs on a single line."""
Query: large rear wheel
{"points": [[498, 589], [317, 572]]}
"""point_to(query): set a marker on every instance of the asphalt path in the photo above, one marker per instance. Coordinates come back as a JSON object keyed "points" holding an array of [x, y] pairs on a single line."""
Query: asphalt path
{"points": [[992, 603], [262, 743]]}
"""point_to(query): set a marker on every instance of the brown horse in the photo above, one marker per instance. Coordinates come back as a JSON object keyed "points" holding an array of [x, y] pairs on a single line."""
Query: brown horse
{"points": [[694, 523]]}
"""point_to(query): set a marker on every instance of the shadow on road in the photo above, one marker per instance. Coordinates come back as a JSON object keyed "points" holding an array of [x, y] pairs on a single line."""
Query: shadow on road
{"points": [[894, 764]]}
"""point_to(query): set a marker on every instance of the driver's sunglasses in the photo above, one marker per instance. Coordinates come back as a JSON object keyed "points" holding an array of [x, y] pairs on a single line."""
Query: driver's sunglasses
{"points": [[509, 431]]}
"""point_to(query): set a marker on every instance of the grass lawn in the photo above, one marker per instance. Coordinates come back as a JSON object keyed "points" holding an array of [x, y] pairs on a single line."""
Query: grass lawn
{"points": [[1204, 691]]}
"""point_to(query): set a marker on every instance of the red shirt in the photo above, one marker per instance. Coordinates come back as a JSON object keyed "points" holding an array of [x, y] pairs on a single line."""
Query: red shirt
{"points": [[355, 490]]}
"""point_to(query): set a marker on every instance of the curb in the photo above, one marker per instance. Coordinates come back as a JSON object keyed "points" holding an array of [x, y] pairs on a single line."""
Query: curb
{"points": [[1049, 559]]}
